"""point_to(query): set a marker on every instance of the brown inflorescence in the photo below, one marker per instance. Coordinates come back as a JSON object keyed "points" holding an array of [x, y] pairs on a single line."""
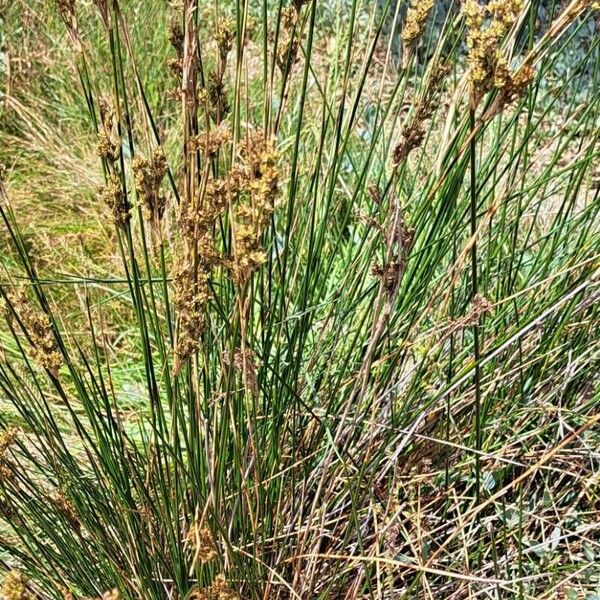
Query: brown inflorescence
{"points": [[192, 268], [104, 9], [215, 92], [487, 26], [219, 590], [416, 18], [7, 439], [66, 509], [399, 239], [108, 138], [413, 132], [66, 10], [224, 36], [148, 175], [289, 44], [113, 193], [190, 296], [248, 190], [252, 215], [15, 587], [116, 199], [212, 141], [201, 543], [480, 306], [39, 330]]}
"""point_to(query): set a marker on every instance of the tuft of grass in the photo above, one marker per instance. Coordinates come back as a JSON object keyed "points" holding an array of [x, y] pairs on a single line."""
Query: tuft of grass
{"points": [[286, 316]]}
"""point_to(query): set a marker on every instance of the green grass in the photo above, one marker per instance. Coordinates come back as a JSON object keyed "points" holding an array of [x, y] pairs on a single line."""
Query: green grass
{"points": [[399, 401]]}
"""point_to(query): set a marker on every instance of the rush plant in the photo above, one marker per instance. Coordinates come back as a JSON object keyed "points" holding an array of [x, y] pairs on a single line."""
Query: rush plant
{"points": [[337, 334]]}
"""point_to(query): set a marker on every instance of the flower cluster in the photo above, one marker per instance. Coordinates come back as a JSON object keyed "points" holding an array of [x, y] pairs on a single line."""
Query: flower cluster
{"points": [[108, 138], [201, 543], [224, 36], [109, 144], [219, 590], [212, 140], [487, 26], [248, 191], [15, 587], [66, 10], [216, 92], [191, 293], [252, 215], [289, 44], [7, 439], [148, 175], [66, 509], [413, 133], [399, 240], [416, 19], [200, 255], [176, 39], [37, 325], [479, 307], [115, 198]]}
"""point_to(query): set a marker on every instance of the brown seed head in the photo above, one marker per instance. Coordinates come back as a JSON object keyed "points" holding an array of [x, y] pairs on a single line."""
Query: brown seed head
{"points": [[416, 18], [15, 587], [487, 25], [116, 200], [201, 542], [37, 325], [224, 36], [148, 175]]}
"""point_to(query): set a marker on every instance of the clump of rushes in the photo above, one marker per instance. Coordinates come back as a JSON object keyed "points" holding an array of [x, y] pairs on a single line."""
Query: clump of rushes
{"points": [[15, 587], [281, 399], [487, 27], [416, 19]]}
